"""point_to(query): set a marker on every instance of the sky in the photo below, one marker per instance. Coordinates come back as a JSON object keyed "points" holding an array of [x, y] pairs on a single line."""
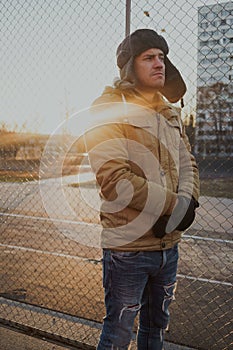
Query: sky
{"points": [[57, 56]]}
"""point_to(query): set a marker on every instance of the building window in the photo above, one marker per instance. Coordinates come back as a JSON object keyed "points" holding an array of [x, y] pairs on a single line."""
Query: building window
{"points": [[210, 15], [203, 15], [205, 51], [217, 23], [204, 34], [224, 13], [223, 41], [204, 25], [203, 43]]}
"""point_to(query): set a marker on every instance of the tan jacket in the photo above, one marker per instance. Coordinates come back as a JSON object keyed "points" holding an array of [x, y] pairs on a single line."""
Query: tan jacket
{"points": [[141, 157]]}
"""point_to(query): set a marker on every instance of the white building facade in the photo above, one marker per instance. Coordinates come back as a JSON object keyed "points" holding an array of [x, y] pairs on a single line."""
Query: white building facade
{"points": [[215, 80]]}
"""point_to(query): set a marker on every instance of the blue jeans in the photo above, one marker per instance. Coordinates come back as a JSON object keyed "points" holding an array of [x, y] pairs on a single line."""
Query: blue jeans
{"points": [[133, 282]]}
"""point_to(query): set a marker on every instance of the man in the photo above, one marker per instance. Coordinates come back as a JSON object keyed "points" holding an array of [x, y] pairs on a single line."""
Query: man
{"points": [[149, 187]]}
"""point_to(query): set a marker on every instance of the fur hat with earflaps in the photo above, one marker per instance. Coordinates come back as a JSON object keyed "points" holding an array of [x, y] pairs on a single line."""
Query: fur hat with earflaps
{"points": [[140, 41]]}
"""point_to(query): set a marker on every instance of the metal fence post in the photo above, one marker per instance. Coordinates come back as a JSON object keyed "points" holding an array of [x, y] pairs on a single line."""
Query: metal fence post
{"points": [[127, 17]]}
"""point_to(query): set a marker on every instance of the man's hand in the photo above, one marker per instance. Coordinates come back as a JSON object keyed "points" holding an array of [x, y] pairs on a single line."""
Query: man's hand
{"points": [[183, 214], [181, 218], [159, 228]]}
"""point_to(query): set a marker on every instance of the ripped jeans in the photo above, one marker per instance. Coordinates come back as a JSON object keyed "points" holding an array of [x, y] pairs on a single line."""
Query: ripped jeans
{"points": [[133, 282]]}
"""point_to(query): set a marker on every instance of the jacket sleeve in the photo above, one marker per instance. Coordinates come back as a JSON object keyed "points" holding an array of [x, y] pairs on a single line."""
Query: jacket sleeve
{"points": [[108, 155], [189, 173]]}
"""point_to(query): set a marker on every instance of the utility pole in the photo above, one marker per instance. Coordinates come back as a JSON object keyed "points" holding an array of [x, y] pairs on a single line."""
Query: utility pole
{"points": [[127, 17]]}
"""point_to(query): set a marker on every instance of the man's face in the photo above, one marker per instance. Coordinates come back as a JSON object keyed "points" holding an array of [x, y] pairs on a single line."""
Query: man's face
{"points": [[149, 70]]}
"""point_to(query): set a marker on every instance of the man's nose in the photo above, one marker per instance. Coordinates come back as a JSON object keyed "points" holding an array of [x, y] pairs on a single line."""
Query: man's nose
{"points": [[157, 62]]}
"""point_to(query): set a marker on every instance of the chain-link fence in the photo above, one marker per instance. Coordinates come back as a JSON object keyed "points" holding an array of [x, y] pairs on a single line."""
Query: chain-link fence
{"points": [[57, 56]]}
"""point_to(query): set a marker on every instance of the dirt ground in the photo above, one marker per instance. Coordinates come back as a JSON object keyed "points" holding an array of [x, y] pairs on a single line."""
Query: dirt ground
{"points": [[56, 263], [54, 272]]}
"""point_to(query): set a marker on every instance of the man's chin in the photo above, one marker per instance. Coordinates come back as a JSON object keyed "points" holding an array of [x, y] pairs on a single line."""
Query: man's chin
{"points": [[158, 85]]}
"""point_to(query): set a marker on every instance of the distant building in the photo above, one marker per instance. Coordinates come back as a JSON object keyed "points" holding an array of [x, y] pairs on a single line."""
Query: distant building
{"points": [[214, 123]]}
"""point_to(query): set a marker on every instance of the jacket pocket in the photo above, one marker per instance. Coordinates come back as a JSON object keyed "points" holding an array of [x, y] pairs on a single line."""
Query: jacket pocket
{"points": [[173, 134], [141, 134]]}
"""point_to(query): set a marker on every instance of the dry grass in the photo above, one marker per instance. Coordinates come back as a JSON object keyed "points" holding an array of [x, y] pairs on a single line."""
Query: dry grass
{"points": [[220, 187]]}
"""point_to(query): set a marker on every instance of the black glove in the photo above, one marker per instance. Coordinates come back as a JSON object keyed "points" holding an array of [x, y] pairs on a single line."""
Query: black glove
{"points": [[159, 228], [183, 214], [181, 218]]}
